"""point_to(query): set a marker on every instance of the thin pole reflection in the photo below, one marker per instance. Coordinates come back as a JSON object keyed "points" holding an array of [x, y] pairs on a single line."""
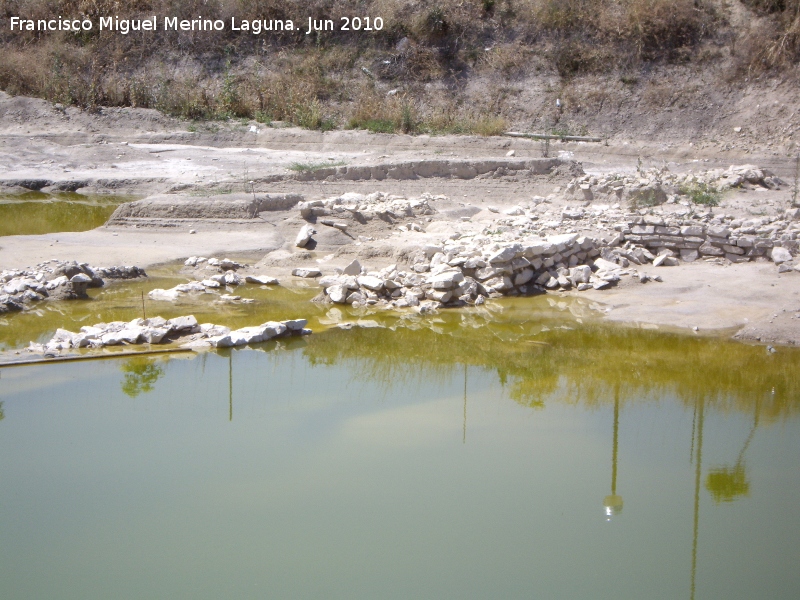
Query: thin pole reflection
{"points": [[613, 503], [464, 432], [697, 472]]}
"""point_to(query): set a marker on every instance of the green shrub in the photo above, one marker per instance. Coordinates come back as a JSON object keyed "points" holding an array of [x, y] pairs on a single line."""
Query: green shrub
{"points": [[311, 167], [701, 193]]}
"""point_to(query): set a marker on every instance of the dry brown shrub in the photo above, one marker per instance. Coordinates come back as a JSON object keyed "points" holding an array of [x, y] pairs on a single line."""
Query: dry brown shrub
{"points": [[773, 43], [658, 95], [509, 60], [381, 113]]}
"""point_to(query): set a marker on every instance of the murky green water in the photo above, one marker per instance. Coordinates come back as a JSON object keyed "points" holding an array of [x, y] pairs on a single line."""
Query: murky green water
{"points": [[35, 213], [122, 301], [474, 454]]}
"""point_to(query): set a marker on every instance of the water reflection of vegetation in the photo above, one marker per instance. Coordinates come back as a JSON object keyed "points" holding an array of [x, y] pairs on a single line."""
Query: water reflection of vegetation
{"points": [[585, 364], [726, 484], [36, 213], [140, 375], [2, 413]]}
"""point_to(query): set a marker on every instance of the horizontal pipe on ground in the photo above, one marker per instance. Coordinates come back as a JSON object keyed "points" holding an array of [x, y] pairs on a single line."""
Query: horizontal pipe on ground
{"points": [[547, 136], [38, 361]]}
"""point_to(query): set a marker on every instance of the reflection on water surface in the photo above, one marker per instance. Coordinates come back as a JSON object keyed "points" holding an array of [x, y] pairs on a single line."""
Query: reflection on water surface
{"points": [[471, 454]]}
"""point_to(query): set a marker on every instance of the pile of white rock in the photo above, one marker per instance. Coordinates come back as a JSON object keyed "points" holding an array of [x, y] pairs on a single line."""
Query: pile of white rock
{"points": [[654, 185], [361, 208], [470, 269], [63, 280], [225, 275], [369, 206], [737, 240], [157, 330]]}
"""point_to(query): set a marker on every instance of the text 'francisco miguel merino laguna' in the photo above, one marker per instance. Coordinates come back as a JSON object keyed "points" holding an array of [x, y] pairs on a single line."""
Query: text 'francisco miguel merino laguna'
{"points": [[254, 26]]}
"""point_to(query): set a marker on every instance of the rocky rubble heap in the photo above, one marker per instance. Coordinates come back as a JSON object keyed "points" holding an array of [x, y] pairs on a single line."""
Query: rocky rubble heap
{"points": [[737, 240], [224, 275], [56, 279], [361, 208], [470, 269], [654, 186], [161, 331]]}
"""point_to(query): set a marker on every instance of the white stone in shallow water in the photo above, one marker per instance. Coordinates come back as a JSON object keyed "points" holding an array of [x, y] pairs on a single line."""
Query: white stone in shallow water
{"points": [[232, 278], [154, 335], [164, 295], [54, 283], [296, 324], [337, 293], [212, 330], [192, 286], [329, 280], [307, 272], [261, 279], [182, 324]]}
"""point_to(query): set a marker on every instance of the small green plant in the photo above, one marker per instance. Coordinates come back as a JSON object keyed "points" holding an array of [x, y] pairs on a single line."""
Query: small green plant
{"points": [[796, 184], [311, 167], [701, 193], [379, 126], [262, 117], [407, 124], [229, 97], [646, 198]]}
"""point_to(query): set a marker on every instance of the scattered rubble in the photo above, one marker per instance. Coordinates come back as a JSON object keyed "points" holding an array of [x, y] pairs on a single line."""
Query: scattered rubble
{"points": [[157, 330], [533, 247], [736, 240], [655, 186], [368, 206], [56, 280], [224, 275], [470, 269]]}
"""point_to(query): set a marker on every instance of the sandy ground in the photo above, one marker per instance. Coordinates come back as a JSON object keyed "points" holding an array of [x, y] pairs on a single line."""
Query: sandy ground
{"points": [[125, 150], [751, 300]]}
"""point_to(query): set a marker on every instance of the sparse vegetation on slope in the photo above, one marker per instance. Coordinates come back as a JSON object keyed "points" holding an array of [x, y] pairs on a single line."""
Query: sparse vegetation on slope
{"points": [[338, 78]]}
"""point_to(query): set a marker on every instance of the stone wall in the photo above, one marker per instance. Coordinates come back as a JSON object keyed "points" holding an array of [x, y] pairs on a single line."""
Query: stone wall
{"points": [[734, 240]]}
